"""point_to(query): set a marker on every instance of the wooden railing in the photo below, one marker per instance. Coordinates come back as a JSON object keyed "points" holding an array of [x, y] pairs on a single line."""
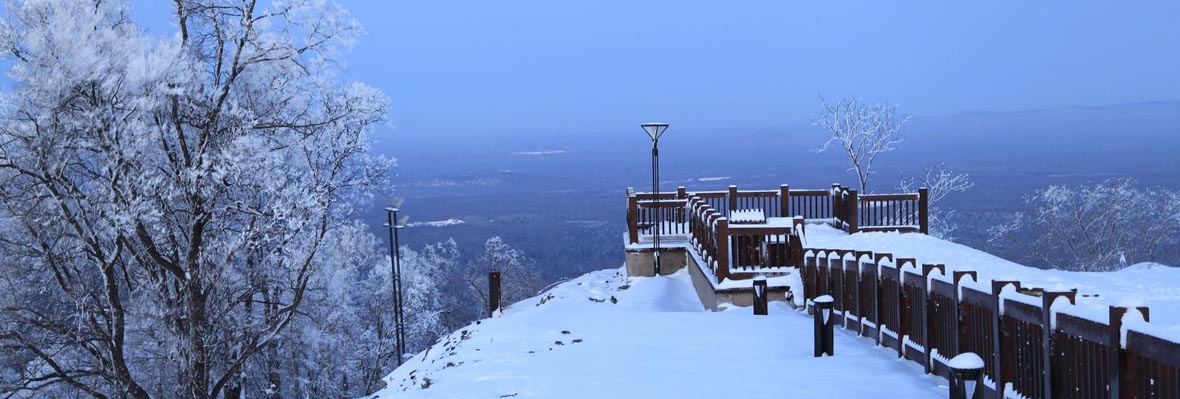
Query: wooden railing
{"points": [[844, 208], [1035, 343], [729, 249], [709, 236]]}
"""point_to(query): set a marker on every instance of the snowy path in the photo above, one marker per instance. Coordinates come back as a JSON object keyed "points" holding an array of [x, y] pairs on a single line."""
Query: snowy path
{"points": [[1156, 286], [653, 340]]}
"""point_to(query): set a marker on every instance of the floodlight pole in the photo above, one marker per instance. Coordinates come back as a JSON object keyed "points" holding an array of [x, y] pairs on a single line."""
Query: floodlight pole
{"points": [[655, 188], [655, 130], [395, 269]]}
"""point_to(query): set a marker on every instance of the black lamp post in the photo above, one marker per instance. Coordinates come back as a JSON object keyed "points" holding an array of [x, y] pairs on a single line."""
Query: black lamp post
{"points": [[395, 269], [824, 339], [655, 130]]}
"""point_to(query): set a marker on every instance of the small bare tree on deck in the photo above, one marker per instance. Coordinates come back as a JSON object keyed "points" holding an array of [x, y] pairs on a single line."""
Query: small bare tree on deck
{"points": [[864, 131]]}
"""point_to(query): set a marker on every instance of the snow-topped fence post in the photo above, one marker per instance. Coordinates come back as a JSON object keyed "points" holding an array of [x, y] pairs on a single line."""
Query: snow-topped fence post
{"points": [[681, 198], [853, 215], [722, 249], [824, 343], [966, 376], [1047, 299], [632, 216], [760, 305], [733, 198], [493, 293], [924, 210], [784, 197]]}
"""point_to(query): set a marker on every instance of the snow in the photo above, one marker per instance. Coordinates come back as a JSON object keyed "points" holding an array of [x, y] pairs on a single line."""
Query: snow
{"points": [[603, 335], [437, 223], [1145, 284], [966, 361], [747, 216], [719, 178]]}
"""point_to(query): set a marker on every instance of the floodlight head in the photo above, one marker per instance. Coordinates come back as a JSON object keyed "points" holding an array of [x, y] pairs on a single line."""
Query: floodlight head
{"points": [[395, 204], [401, 221], [655, 129]]}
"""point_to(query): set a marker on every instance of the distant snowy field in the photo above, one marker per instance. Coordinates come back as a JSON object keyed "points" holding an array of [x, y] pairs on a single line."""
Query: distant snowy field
{"points": [[436, 223], [1146, 284], [603, 335]]}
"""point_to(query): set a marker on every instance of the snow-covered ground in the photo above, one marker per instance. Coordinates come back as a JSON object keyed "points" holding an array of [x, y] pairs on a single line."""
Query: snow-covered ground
{"points": [[1154, 285], [603, 335]]}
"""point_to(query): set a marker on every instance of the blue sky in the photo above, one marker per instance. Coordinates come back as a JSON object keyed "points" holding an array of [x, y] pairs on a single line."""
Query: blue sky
{"points": [[467, 67]]}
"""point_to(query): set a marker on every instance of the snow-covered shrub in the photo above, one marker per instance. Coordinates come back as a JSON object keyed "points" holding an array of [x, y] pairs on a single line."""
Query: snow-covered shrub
{"points": [[518, 276], [940, 181], [1094, 228]]}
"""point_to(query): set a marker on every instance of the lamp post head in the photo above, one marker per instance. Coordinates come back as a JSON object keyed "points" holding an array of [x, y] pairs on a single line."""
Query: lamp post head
{"points": [[401, 222], [654, 129], [395, 204]]}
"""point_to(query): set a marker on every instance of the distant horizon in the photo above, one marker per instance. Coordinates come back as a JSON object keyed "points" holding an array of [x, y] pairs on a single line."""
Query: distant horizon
{"points": [[800, 123]]}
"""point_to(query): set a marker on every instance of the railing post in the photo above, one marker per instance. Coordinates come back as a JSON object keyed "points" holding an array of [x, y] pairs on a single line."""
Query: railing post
{"points": [[722, 249], [1003, 363], [682, 195], [853, 214], [493, 293], [924, 210], [632, 216], [957, 279], [784, 197], [1116, 358], [733, 199], [837, 197], [1047, 299], [926, 270]]}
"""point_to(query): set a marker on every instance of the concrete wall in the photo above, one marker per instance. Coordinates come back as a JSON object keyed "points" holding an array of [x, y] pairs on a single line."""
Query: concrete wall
{"points": [[640, 261], [711, 299], [701, 284]]}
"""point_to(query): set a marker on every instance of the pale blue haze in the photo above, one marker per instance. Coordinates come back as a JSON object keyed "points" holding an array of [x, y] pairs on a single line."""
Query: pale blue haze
{"points": [[589, 66]]}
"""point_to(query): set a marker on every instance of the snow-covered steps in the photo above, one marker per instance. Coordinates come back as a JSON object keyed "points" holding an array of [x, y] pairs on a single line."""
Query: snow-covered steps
{"points": [[604, 335]]}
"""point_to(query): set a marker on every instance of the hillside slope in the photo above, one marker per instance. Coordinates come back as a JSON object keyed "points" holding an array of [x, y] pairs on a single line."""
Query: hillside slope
{"points": [[604, 335]]}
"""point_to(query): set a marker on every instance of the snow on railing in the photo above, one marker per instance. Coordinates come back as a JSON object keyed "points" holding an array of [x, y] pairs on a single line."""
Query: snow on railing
{"points": [[840, 206], [1034, 339]]}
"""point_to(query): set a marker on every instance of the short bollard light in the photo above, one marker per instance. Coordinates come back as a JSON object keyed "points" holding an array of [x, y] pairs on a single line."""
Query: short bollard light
{"points": [[760, 305], [824, 343], [966, 376]]}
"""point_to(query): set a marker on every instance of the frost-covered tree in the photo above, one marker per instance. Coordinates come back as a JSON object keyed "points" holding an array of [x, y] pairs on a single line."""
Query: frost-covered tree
{"points": [[1094, 228], [168, 201], [863, 131], [939, 181], [518, 277]]}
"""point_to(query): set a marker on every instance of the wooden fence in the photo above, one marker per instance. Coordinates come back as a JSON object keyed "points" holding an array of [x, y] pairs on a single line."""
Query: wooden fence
{"points": [[730, 248], [844, 208], [1035, 344]]}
